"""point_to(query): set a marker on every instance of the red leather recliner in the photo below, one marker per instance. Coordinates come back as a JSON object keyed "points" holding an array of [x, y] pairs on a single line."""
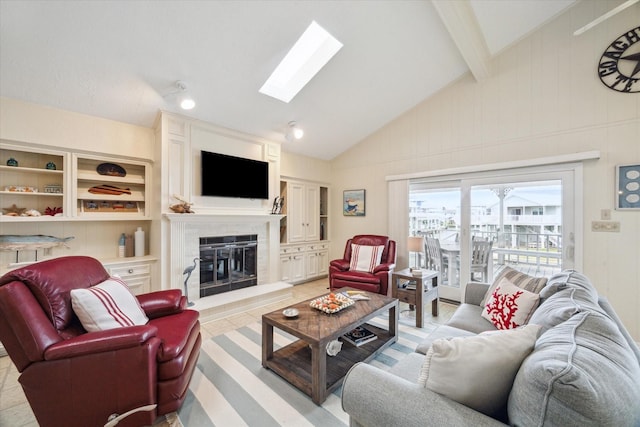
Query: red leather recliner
{"points": [[76, 378], [341, 276]]}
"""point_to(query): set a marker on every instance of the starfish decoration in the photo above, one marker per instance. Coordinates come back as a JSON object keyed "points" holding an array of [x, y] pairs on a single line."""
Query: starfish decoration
{"points": [[14, 210], [633, 57]]}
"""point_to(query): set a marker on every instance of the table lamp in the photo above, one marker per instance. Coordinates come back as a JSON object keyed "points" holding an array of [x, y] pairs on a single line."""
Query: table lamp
{"points": [[415, 244]]}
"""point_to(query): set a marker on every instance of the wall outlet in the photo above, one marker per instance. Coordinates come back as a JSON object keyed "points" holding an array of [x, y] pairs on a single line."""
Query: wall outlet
{"points": [[606, 226], [605, 214]]}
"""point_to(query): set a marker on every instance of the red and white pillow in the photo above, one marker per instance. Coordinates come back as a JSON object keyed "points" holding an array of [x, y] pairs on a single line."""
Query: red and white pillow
{"points": [[365, 258], [107, 305], [509, 306]]}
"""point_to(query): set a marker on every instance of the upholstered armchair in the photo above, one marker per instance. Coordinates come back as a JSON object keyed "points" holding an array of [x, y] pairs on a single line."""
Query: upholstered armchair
{"points": [[72, 377], [367, 264]]}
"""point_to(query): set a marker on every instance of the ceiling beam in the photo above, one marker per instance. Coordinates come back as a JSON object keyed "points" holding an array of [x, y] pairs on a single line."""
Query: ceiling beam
{"points": [[460, 21]]}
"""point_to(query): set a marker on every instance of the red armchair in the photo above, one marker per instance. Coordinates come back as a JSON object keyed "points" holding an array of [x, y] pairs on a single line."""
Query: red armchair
{"points": [[377, 281], [76, 378]]}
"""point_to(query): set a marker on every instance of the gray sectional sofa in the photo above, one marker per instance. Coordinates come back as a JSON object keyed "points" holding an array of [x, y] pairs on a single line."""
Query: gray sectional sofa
{"points": [[583, 370]]}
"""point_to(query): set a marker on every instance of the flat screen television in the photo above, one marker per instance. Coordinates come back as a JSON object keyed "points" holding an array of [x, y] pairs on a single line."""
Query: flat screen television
{"points": [[230, 176]]}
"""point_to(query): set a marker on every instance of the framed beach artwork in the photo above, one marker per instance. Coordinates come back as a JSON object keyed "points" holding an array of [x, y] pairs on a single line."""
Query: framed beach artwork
{"points": [[353, 203], [628, 187]]}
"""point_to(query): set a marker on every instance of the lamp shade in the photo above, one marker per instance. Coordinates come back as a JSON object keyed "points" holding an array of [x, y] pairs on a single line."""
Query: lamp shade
{"points": [[415, 244]]}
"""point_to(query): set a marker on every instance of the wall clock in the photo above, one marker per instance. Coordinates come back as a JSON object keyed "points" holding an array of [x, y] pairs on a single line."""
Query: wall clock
{"points": [[619, 67]]}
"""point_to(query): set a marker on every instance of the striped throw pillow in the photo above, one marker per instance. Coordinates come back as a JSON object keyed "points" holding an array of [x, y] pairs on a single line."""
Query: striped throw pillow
{"points": [[365, 258], [107, 305], [521, 280]]}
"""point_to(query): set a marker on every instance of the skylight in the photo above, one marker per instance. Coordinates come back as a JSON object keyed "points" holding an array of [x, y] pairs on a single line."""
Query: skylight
{"points": [[311, 52]]}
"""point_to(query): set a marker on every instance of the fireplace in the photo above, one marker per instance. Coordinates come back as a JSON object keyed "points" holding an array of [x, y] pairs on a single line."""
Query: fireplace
{"points": [[228, 263], [183, 245]]}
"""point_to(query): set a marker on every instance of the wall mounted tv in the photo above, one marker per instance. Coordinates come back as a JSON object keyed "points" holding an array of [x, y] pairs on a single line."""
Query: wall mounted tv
{"points": [[230, 176]]}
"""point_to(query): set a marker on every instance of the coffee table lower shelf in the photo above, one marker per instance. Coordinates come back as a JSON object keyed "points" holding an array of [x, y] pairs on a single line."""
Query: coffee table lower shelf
{"points": [[294, 361]]}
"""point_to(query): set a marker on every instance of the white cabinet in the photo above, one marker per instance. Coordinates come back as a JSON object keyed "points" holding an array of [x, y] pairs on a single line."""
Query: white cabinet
{"points": [[304, 231], [110, 188], [32, 179], [302, 210], [300, 263], [292, 264], [135, 272], [63, 186], [317, 256]]}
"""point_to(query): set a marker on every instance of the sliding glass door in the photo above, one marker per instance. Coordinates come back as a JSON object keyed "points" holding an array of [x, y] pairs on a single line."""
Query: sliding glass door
{"points": [[527, 218]]}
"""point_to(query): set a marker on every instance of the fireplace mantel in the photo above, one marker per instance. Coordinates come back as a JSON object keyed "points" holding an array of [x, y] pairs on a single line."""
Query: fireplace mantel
{"points": [[222, 216], [185, 230]]}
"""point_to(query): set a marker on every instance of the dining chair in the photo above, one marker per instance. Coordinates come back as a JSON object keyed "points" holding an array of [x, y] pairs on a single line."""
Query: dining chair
{"points": [[434, 258], [480, 259]]}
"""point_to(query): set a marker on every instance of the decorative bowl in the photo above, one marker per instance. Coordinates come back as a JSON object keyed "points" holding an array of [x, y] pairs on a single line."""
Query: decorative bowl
{"points": [[290, 312], [332, 303]]}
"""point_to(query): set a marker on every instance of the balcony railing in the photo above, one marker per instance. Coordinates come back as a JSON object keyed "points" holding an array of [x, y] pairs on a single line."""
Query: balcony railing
{"points": [[533, 253]]}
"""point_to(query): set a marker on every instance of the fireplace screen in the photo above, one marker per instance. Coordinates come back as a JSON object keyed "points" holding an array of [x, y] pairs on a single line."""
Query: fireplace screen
{"points": [[227, 263]]}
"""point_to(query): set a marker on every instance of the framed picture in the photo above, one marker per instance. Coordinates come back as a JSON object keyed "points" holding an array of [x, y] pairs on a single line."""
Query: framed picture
{"points": [[353, 203], [628, 187]]}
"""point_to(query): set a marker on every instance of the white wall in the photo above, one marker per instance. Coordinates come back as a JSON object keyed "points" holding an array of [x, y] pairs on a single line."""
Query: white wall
{"points": [[543, 99], [31, 123], [306, 168]]}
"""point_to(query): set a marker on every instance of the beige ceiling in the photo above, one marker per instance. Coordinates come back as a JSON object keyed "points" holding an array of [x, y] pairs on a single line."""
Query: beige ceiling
{"points": [[117, 59]]}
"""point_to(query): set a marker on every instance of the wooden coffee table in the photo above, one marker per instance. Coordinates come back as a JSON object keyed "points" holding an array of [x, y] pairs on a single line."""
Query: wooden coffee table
{"points": [[305, 363]]}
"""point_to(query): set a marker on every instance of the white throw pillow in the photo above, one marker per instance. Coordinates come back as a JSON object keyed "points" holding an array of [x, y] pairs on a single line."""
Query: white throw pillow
{"points": [[365, 258], [478, 371], [510, 306], [107, 305]]}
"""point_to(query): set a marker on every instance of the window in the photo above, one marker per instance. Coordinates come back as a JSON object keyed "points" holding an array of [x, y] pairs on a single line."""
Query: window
{"points": [[527, 215]]}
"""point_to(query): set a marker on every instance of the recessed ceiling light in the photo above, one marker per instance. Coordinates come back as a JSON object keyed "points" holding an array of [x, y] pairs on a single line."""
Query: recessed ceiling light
{"points": [[294, 132], [308, 55]]}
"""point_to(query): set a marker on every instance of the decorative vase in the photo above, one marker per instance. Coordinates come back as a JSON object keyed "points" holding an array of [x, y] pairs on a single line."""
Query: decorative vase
{"points": [[12, 162], [51, 166]]}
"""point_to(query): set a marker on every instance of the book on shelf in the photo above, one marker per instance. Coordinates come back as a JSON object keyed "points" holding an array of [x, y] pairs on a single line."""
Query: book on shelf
{"points": [[359, 336]]}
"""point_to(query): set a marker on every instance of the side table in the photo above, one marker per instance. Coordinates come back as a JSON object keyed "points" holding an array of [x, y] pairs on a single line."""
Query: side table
{"points": [[426, 288]]}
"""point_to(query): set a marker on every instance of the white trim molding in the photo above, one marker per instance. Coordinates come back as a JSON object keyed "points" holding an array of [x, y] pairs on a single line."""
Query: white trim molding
{"points": [[541, 161]]}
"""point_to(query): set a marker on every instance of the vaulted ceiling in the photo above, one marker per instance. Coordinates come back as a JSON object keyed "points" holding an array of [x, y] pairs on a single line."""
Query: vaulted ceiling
{"points": [[120, 59]]}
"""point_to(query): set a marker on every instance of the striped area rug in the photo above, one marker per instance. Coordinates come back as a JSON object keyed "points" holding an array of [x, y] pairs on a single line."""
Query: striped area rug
{"points": [[231, 388]]}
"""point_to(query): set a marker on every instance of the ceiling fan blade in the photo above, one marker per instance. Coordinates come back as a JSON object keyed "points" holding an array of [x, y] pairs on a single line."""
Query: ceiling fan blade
{"points": [[607, 15]]}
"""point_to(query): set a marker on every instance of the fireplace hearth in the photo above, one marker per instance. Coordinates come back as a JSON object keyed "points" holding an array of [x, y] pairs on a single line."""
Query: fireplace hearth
{"points": [[228, 263]]}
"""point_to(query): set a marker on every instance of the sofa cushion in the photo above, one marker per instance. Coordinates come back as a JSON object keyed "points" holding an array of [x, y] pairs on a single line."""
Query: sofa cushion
{"points": [[581, 373], [566, 294], [365, 258], [509, 306], [478, 371], [469, 317], [107, 305], [408, 366], [521, 280], [443, 331]]}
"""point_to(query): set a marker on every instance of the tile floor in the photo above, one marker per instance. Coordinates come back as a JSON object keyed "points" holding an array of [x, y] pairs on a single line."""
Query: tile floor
{"points": [[15, 411]]}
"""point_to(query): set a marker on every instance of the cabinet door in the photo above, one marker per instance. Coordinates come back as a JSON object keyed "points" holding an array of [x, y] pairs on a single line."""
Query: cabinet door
{"points": [[312, 222], [297, 268], [296, 212], [312, 264], [323, 263], [285, 268]]}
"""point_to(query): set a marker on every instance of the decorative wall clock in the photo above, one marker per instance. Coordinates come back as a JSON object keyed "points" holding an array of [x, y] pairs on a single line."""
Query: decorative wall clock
{"points": [[619, 67]]}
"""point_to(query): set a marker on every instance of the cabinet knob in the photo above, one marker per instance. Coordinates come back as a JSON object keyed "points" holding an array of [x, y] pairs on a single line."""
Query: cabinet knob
{"points": [[130, 271]]}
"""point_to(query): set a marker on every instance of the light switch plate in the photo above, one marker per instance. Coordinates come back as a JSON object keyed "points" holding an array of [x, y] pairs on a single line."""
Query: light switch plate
{"points": [[606, 226]]}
